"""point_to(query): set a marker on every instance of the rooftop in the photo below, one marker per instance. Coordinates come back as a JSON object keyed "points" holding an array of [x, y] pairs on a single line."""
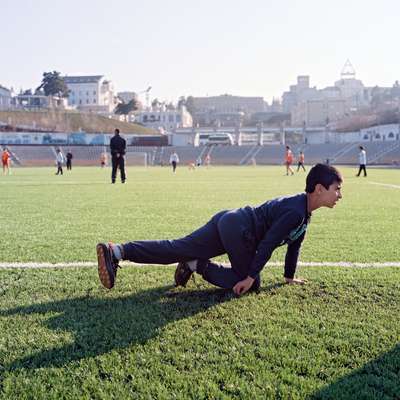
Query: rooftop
{"points": [[83, 79]]}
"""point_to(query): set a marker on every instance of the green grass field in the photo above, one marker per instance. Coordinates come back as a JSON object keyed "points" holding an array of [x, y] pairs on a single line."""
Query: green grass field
{"points": [[63, 336]]}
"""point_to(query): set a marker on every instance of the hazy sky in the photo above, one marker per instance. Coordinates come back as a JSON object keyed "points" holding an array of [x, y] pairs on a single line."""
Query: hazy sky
{"points": [[202, 47]]}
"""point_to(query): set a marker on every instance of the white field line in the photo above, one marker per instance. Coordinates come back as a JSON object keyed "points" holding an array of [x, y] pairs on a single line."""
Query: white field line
{"points": [[345, 264], [385, 184]]}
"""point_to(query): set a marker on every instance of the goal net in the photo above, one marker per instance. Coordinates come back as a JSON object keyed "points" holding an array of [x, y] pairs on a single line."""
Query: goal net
{"points": [[136, 159]]}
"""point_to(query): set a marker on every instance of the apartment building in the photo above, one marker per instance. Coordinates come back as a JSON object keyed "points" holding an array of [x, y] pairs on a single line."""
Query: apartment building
{"points": [[5, 98], [91, 94], [165, 120]]}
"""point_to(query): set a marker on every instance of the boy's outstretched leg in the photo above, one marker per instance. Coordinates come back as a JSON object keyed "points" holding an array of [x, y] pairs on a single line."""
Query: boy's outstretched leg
{"points": [[107, 264]]}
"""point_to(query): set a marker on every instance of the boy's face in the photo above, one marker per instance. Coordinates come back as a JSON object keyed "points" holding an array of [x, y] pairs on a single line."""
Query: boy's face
{"points": [[329, 197]]}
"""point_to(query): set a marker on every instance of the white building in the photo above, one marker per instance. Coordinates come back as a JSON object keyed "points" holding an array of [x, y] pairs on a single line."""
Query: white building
{"points": [[298, 93], [91, 93], [351, 89], [380, 133], [5, 98], [318, 112], [228, 103], [165, 120]]}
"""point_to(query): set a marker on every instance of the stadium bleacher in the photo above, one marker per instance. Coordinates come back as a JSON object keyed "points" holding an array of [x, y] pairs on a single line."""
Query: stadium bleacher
{"points": [[346, 153]]}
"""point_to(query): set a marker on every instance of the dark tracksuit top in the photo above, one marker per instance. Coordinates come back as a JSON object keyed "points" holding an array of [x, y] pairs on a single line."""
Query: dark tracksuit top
{"points": [[248, 235], [117, 146], [277, 222]]}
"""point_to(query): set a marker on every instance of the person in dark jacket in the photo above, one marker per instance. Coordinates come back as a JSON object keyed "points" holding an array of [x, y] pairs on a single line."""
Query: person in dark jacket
{"points": [[69, 158], [249, 235], [118, 148]]}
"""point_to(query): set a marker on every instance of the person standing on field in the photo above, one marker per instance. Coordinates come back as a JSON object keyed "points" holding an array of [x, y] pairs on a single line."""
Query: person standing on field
{"points": [[103, 159], [5, 160], [289, 161], [248, 235], [300, 162], [118, 149], [207, 160], [69, 158], [362, 160], [174, 160], [59, 162]]}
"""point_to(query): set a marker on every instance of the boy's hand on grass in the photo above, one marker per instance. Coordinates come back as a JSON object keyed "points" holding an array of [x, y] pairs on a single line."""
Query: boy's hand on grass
{"points": [[296, 281], [243, 286]]}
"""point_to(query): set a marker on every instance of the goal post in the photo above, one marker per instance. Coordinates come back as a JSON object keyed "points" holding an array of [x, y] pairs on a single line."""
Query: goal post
{"points": [[139, 159]]}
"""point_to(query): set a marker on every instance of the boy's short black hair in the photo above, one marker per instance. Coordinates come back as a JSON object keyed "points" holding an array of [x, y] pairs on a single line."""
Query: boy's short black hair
{"points": [[116, 131], [323, 174]]}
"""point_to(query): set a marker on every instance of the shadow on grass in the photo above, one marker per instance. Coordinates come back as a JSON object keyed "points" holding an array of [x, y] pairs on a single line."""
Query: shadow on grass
{"points": [[100, 325], [379, 379]]}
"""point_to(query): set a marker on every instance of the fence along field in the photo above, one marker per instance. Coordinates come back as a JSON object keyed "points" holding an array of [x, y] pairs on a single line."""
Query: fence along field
{"points": [[63, 335]]}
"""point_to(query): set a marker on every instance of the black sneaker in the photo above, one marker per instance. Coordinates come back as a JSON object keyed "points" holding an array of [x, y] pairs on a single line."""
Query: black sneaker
{"points": [[182, 274], [107, 265]]}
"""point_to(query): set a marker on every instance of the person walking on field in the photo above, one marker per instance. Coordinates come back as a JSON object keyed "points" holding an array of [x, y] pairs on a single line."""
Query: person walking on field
{"points": [[248, 235], [118, 149], [300, 162], [208, 160], [174, 160], [362, 160], [289, 161], [59, 162], [69, 158], [6, 160], [103, 159]]}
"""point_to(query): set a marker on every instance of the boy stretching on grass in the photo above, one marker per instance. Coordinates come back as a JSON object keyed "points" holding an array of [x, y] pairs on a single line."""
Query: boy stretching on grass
{"points": [[248, 235]]}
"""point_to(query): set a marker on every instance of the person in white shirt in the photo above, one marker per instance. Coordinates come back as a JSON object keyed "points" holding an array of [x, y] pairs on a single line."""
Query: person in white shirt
{"points": [[362, 160], [174, 160], [59, 161]]}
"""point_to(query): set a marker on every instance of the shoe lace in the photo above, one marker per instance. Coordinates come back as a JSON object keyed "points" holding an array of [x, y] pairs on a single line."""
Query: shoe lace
{"points": [[114, 260]]}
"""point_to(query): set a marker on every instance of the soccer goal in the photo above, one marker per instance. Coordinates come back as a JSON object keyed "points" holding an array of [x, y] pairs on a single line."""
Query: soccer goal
{"points": [[137, 159]]}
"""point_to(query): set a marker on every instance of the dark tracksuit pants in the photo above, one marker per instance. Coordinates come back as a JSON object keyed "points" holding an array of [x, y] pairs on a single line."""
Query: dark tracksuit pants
{"points": [[118, 162], [227, 232], [362, 168], [59, 168], [300, 165]]}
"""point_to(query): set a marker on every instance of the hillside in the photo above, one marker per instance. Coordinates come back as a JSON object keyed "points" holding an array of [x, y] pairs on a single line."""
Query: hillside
{"points": [[69, 121]]}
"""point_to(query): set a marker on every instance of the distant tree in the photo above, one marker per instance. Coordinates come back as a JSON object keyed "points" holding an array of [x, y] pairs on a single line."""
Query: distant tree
{"points": [[188, 102], [190, 106], [181, 101], [155, 103], [388, 117], [53, 84], [126, 108], [170, 106], [27, 92]]}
